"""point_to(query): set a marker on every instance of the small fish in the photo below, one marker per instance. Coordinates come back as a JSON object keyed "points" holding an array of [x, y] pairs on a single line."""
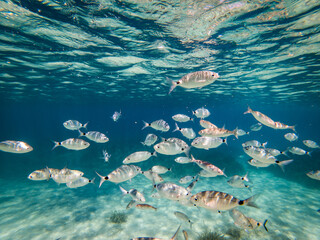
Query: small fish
{"points": [[239, 181], [208, 142], [260, 154], [106, 156], [311, 144], [218, 132], [95, 136], [207, 124], [205, 173], [215, 200], [146, 206], [80, 182], [182, 160], [298, 151], [181, 118], [171, 191], [201, 113], [15, 147], [74, 125], [159, 125], [192, 184], [152, 238], [150, 139], [134, 193], [195, 80], [115, 117], [72, 144], [66, 175], [171, 148], [265, 120], [256, 127], [152, 176], [241, 132], [186, 179], [121, 174], [160, 169], [187, 132], [254, 143], [131, 204], [183, 217], [208, 167], [281, 164], [139, 157], [245, 222], [291, 137], [314, 175], [39, 175], [275, 152]]}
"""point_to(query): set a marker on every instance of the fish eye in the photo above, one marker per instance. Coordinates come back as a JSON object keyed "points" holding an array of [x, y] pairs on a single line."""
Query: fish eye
{"points": [[242, 178], [196, 199], [178, 82], [258, 224]]}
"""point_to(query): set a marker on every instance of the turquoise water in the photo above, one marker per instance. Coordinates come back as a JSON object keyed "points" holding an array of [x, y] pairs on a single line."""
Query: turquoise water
{"points": [[84, 60]]}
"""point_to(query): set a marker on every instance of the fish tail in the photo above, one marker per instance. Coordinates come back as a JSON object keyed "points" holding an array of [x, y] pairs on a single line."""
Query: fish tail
{"points": [[124, 192], [225, 141], [92, 180], [102, 179], [143, 143], [56, 144], [145, 125], [248, 111], [309, 154], [284, 163], [264, 144], [173, 85], [186, 151], [250, 201], [284, 153], [235, 132], [293, 127], [264, 225], [85, 125], [81, 133], [175, 234], [177, 128], [245, 178], [154, 154]]}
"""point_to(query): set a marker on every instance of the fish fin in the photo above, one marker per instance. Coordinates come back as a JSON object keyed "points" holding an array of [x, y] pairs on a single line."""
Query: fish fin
{"points": [[245, 178], [264, 144], [284, 153], [309, 154], [175, 234], [264, 225], [225, 141], [145, 125], [186, 151], [173, 85], [154, 154], [224, 173], [235, 132], [85, 125], [124, 192], [250, 201], [81, 133], [284, 163], [248, 111], [92, 180], [102, 179], [177, 127], [56, 144]]}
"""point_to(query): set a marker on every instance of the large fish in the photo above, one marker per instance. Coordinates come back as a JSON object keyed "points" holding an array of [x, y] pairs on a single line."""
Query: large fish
{"points": [[15, 146], [195, 80], [265, 120], [214, 200]]}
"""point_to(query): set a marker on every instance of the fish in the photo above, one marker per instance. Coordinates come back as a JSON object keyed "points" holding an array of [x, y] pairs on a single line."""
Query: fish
{"points": [[207, 124], [131, 204], [152, 238], [215, 200], [95, 136], [291, 137], [208, 167], [159, 125], [311, 144], [193, 184], [138, 157], [150, 139], [39, 175], [146, 206], [238, 181], [134, 193], [201, 113], [218, 132], [116, 115], [256, 127], [254, 143], [208, 142], [171, 147], [314, 174], [195, 80], [298, 151], [281, 164], [183, 217], [186, 179], [181, 118], [204, 173], [72, 144], [152, 176], [241, 132], [182, 160], [80, 182], [66, 175], [245, 222], [74, 125], [260, 154], [160, 169], [265, 120], [106, 156], [121, 174], [15, 146], [275, 152], [187, 132], [171, 191]]}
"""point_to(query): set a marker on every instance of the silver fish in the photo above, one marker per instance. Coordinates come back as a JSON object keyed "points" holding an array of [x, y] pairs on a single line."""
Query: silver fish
{"points": [[152, 176], [66, 175], [195, 80], [187, 132], [265, 120], [218, 132], [115, 117], [183, 217], [186, 179], [159, 125], [170, 148], [291, 137], [171, 191], [72, 144], [160, 169], [152, 238], [260, 154], [181, 118], [298, 151], [15, 147], [207, 124], [201, 113], [238, 181], [182, 160], [245, 222], [39, 175], [106, 156], [214, 200], [208, 142], [281, 164], [121, 174], [139, 157], [150, 139], [314, 174], [95, 136], [254, 143], [208, 167], [80, 182], [311, 144], [74, 125], [241, 132], [134, 193], [256, 127]]}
